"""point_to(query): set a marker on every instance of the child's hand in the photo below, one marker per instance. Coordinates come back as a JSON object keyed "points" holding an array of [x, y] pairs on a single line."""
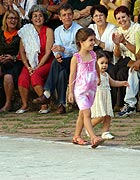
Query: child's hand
{"points": [[98, 81], [71, 98], [125, 83]]}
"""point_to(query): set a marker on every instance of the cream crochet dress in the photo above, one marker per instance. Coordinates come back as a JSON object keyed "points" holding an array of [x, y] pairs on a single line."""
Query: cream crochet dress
{"points": [[102, 105]]}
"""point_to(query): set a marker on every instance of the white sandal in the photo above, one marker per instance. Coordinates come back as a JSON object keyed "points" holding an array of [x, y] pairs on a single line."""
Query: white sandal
{"points": [[107, 135], [21, 111], [45, 111]]}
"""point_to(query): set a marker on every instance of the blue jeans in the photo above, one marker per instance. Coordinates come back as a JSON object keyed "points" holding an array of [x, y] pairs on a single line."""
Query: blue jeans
{"points": [[133, 89], [58, 79]]}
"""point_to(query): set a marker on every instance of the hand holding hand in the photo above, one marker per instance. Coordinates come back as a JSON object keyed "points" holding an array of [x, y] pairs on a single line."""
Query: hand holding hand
{"points": [[31, 70], [6, 58], [118, 38]]}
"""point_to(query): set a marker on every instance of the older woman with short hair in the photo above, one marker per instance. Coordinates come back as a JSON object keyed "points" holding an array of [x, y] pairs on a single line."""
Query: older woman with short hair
{"points": [[35, 50]]}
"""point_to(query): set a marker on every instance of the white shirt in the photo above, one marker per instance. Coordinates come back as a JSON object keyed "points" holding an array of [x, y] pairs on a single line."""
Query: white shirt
{"points": [[106, 36], [130, 36], [29, 4], [66, 38]]}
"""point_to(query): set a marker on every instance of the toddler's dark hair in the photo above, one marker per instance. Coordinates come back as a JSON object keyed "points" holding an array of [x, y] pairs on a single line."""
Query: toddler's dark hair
{"points": [[101, 53], [82, 35]]}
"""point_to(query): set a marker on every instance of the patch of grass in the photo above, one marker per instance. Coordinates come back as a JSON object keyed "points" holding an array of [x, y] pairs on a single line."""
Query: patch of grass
{"points": [[134, 137]]}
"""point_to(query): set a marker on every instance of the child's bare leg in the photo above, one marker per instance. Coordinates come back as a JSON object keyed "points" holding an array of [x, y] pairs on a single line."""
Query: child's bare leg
{"points": [[87, 122], [95, 141], [95, 121], [106, 123], [106, 126], [79, 124]]}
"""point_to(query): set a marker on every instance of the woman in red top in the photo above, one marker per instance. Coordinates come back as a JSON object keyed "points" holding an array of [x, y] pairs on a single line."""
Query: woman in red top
{"points": [[35, 51]]}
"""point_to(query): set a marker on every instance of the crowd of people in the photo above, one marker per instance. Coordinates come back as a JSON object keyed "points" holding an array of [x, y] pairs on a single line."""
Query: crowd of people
{"points": [[92, 46]]}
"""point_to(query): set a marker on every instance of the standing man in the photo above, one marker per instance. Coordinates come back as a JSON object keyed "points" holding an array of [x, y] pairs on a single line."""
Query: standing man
{"points": [[63, 49]]}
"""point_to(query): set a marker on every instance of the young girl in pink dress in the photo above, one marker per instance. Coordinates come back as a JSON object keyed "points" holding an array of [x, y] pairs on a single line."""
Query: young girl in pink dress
{"points": [[84, 76]]}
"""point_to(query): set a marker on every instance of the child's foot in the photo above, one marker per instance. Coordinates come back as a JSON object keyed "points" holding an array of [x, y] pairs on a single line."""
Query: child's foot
{"points": [[80, 141], [107, 136], [96, 141]]}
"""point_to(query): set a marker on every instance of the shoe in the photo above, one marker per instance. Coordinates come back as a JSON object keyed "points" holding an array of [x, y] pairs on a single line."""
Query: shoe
{"points": [[79, 141], [61, 109], [45, 111], [126, 111], [21, 111], [41, 100], [107, 135], [96, 142]]}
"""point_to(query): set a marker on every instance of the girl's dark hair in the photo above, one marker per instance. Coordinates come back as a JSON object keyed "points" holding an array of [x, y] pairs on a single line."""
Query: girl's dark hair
{"points": [[122, 9], [82, 35], [101, 53], [100, 8]]}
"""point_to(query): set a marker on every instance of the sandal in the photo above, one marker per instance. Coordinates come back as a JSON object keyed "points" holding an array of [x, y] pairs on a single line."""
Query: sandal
{"points": [[79, 141], [96, 142]]}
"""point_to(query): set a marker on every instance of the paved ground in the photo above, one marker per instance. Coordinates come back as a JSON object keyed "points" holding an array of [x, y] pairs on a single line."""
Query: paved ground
{"points": [[31, 159], [61, 127]]}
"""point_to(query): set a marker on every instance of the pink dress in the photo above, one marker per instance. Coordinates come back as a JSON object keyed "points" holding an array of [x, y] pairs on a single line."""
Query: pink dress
{"points": [[85, 83]]}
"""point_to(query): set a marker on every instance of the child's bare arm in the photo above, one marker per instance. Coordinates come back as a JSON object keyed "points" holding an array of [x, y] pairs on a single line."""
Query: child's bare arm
{"points": [[73, 70], [98, 73], [115, 83]]}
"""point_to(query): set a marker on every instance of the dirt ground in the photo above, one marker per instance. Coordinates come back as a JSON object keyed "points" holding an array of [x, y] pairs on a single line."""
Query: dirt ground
{"points": [[61, 127]]}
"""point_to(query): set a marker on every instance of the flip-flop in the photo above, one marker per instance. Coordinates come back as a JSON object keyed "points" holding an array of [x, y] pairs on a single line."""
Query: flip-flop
{"points": [[21, 111], [79, 141], [97, 141], [45, 111]]}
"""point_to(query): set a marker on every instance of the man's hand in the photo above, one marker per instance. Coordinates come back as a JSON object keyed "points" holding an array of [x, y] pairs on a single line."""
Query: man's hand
{"points": [[59, 58], [58, 48], [135, 66]]}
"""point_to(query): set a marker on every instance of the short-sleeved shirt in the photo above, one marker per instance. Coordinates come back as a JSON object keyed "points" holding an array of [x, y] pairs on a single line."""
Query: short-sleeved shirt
{"points": [[77, 4], [136, 11]]}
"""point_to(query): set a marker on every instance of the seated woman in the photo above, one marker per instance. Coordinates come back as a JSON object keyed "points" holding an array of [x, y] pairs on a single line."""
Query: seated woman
{"points": [[103, 31], [21, 6], [35, 50], [124, 39], [9, 48], [112, 5]]}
